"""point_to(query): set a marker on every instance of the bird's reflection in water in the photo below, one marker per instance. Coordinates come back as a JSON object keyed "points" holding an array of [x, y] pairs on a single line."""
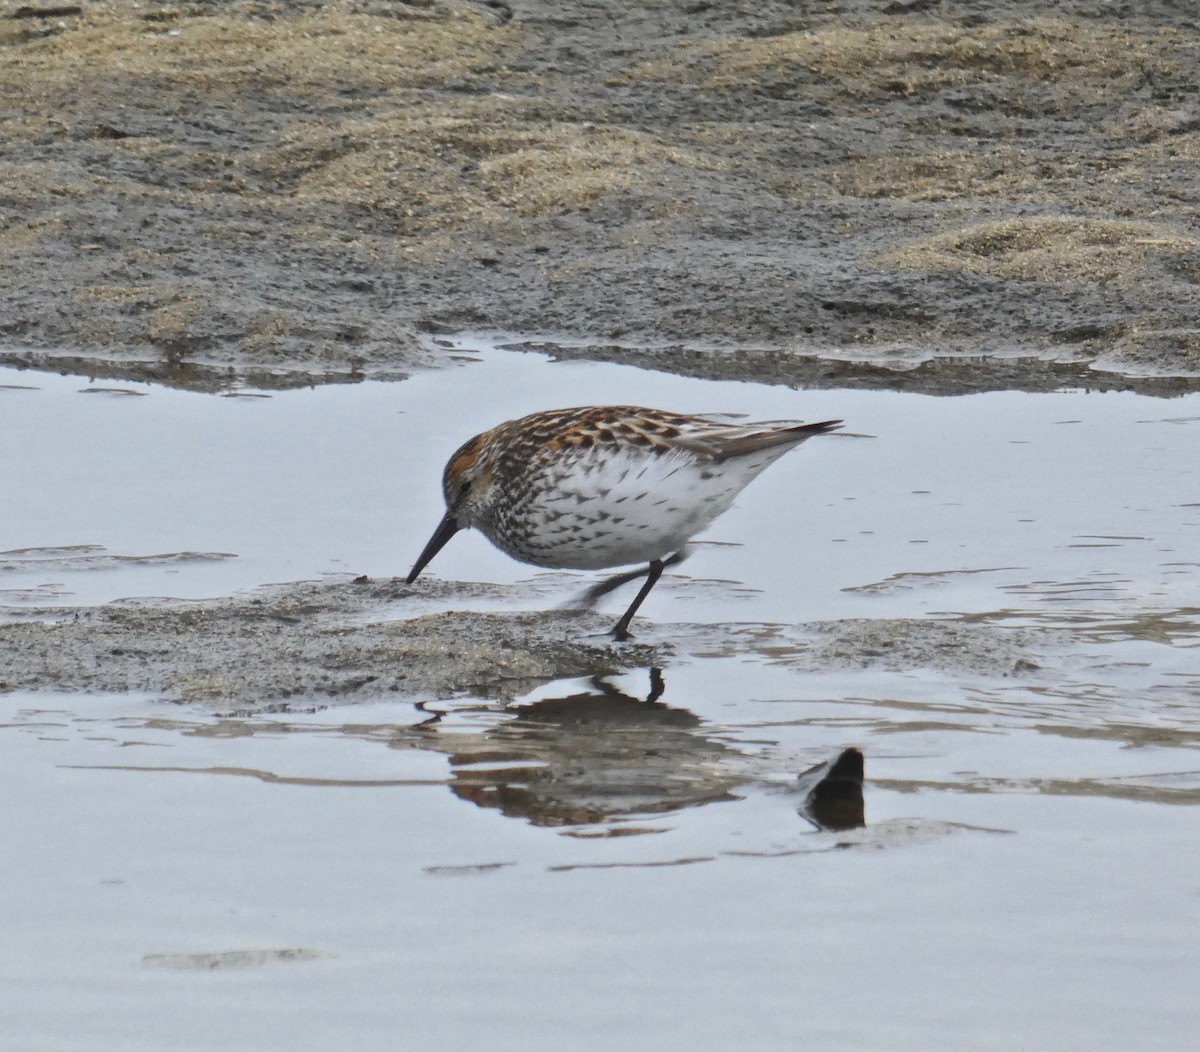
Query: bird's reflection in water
{"points": [[593, 757], [598, 758], [603, 758]]}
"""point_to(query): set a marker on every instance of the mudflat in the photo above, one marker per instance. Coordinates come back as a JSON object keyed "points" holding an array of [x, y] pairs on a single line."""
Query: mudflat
{"points": [[941, 197]]}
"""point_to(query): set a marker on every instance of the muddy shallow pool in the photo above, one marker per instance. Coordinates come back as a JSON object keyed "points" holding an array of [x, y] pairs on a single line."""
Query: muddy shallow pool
{"points": [[993, 598]]}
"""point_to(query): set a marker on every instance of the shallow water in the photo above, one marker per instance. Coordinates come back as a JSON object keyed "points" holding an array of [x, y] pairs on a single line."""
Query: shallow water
{"points": [[590, 864], [1040, 503]]}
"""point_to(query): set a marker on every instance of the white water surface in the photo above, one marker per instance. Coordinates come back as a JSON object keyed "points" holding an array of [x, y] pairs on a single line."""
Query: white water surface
{"points": [[290, 882], [1028, 875]]}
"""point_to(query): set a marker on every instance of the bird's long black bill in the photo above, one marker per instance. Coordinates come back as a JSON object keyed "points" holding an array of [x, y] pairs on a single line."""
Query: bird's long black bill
{"points": [[447, 528]]}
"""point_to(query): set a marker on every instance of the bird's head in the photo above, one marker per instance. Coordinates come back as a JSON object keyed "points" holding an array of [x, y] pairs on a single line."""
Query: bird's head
{"points": [[466, 485], [467, 480]]}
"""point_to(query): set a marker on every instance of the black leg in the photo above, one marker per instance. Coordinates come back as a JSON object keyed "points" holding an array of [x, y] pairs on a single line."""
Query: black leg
{"points": [[610, 584], [602, 686], [657, 686], [602, 588], [653, 573]]}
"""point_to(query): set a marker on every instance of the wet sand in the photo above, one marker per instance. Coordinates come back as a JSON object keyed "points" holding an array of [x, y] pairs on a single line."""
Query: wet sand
{"points": [[954, 197], [309, 645]]}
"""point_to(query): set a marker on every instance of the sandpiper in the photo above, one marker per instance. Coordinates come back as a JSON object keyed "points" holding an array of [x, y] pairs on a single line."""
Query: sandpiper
{"points": [[597, 487]]}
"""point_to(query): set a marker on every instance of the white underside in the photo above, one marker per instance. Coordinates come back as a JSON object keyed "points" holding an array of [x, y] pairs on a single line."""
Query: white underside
{"points": [[629, 507]]}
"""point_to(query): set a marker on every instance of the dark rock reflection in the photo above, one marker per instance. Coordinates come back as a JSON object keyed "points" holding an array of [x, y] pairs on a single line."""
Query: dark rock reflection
{"points": [[833, 793]]}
